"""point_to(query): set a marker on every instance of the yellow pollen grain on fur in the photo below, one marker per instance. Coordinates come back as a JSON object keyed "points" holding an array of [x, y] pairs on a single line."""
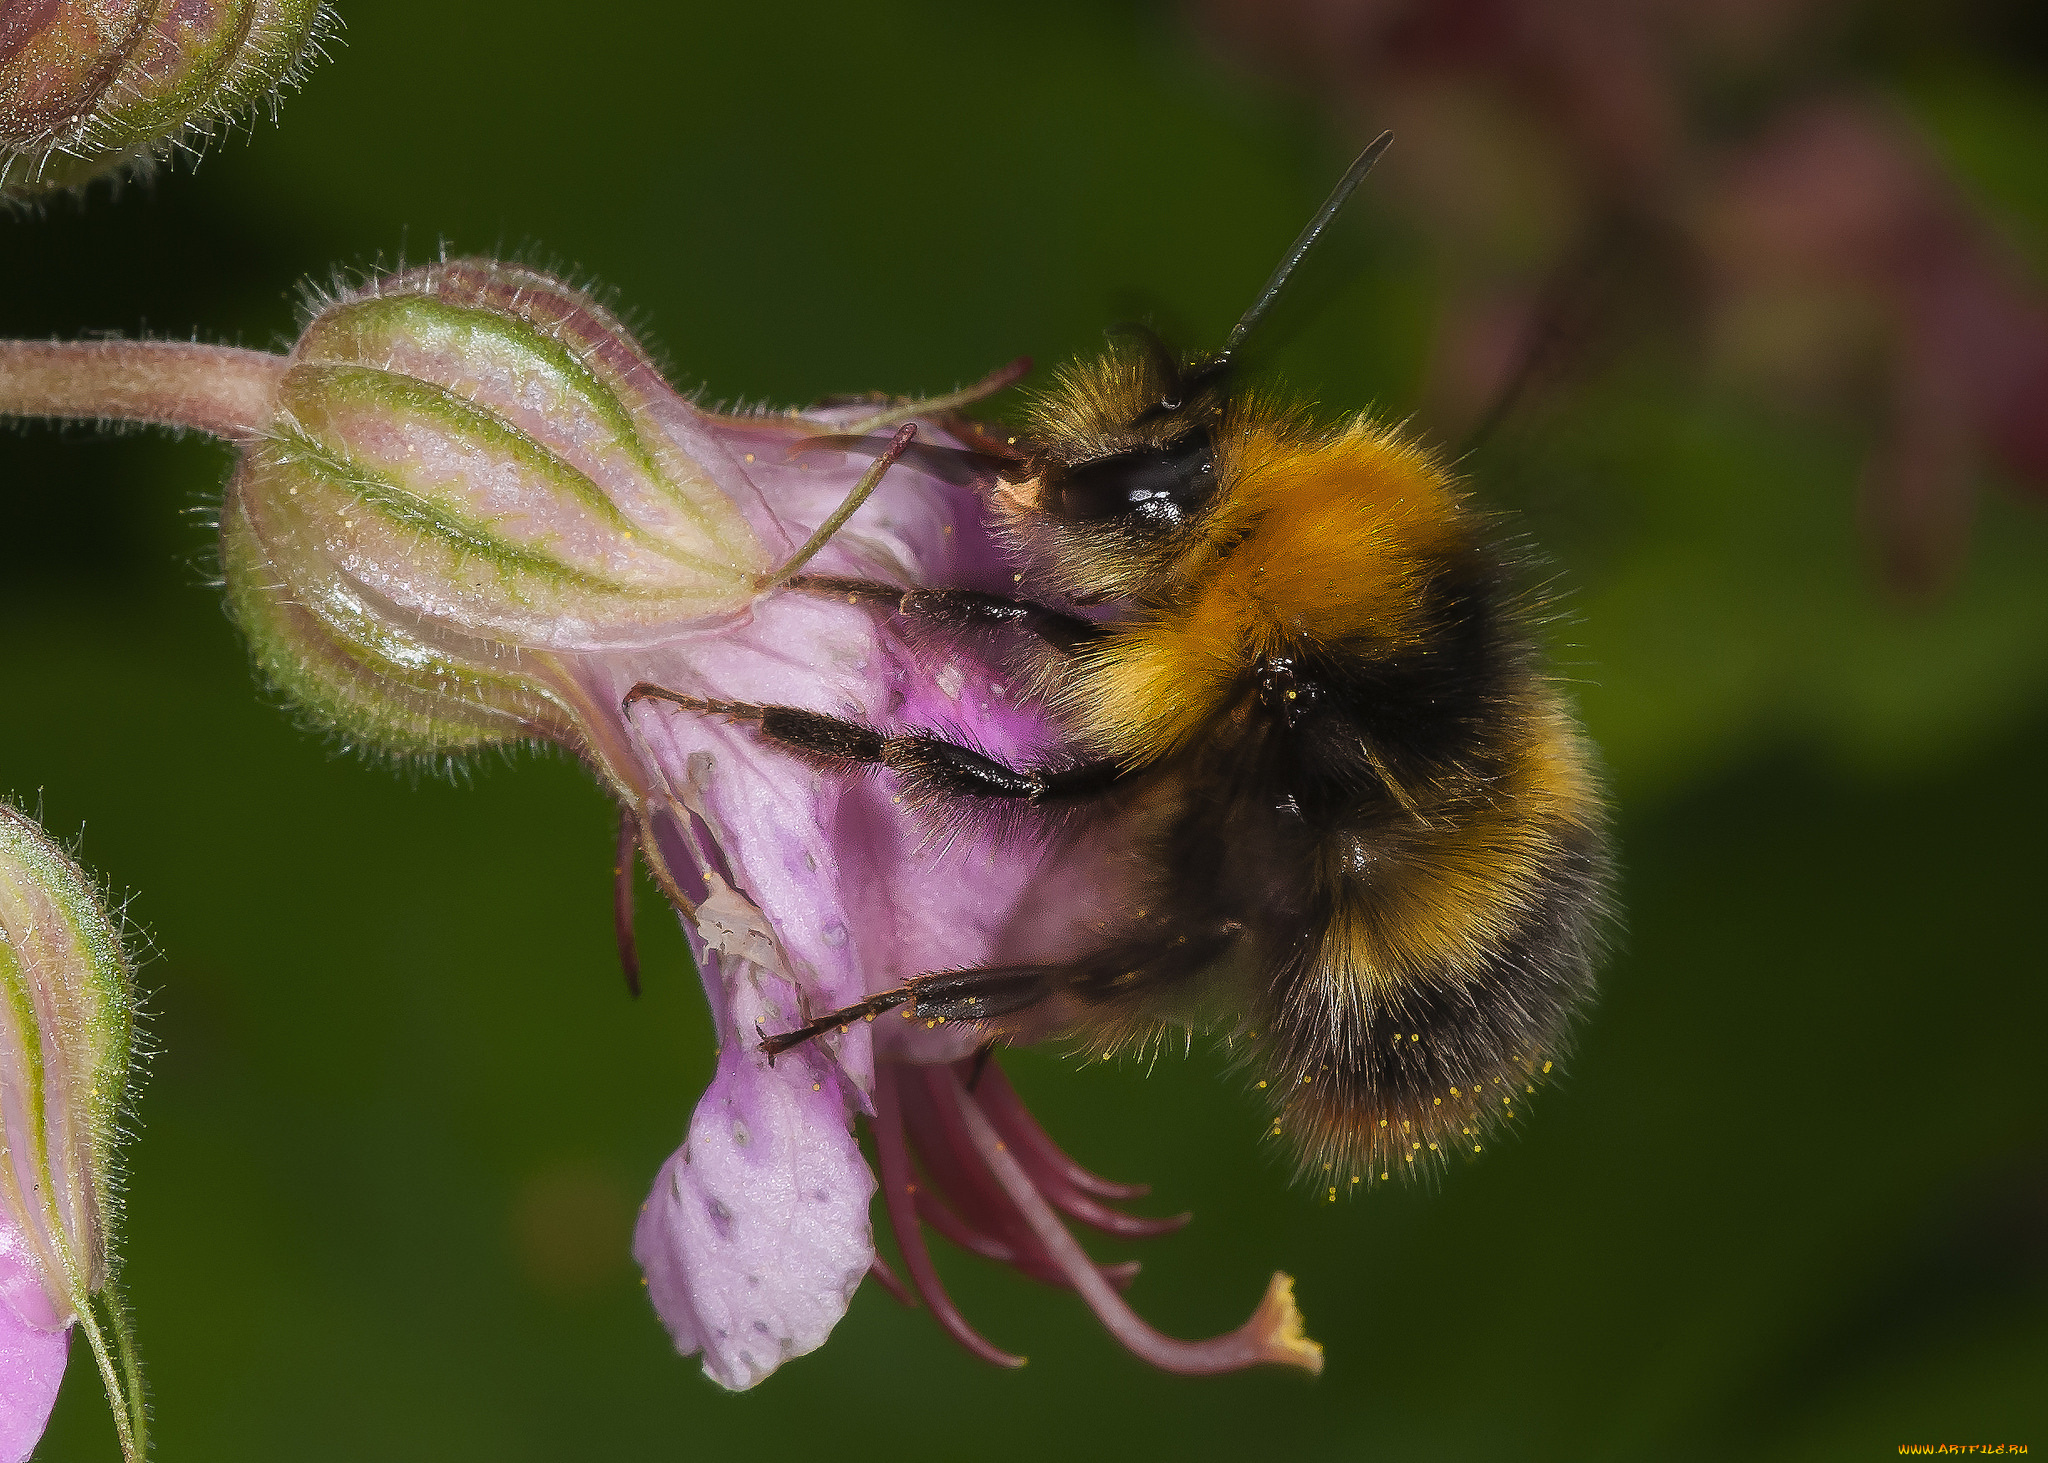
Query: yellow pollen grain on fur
{"points": [[1475, 1147], [1432, 1148], [1454, 1092], [1333, 1195], [814, 1087], [750, 457], [1354, 1178], [869, 1017], [1383, 1122], [1528, 1089], [1306, 1080], [1436, 1102], [1546, 1066], [1416, 1037], [1105, 1056], [1383, 1175], [1262, 1084]]}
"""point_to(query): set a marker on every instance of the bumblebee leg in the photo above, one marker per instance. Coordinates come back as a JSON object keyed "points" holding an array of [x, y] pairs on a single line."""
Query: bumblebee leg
{"points": [[959, 609], [987, 994], [932, 768], [1144, 967]]}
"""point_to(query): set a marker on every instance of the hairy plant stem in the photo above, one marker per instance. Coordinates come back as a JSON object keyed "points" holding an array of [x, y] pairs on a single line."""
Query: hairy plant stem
{"points": [[219, 389]]}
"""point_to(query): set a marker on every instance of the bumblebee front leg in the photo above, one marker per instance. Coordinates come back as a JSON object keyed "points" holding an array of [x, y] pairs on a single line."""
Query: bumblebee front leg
{"points": [[932, 769], [959, 609]]}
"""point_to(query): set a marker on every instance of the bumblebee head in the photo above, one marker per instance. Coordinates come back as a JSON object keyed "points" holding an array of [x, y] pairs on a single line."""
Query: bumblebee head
{"points": [[1127, 491], [1118, 488]]}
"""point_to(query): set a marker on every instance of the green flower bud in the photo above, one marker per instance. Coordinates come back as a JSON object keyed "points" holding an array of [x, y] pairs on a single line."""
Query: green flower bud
{"points": [[89, 87], [66, 1020], [472, 479]]}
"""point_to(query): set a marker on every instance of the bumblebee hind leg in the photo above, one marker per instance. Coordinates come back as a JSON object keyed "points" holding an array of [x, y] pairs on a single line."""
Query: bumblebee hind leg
{"points": [[1115, 993]]}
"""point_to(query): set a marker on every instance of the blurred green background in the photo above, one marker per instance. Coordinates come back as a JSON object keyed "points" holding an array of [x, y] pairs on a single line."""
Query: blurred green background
{"points": [[1791, 1201]]}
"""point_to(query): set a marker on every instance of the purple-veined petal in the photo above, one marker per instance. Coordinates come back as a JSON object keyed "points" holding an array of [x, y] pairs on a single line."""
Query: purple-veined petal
{"points": [[756, 1234], [863, 892]]}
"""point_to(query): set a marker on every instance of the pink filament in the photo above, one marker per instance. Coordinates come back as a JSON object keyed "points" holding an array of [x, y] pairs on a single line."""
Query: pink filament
{"points": [[898, 1196], [1005, 1205], [1252, 1344], [999, 1100], [886, 1278]]}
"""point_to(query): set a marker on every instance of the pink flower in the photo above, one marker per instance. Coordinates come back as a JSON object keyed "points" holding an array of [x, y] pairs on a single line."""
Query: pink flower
{"points": [[755, 1236], [470, 511]]}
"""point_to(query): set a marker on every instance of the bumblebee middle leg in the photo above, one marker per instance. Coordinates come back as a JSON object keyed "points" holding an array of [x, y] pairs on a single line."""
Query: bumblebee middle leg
{"points": [[932, 769], [959, 609]]}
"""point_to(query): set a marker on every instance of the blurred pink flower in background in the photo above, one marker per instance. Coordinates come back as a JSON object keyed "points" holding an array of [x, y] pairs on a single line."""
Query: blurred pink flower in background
{"points": [[1577, 166]]}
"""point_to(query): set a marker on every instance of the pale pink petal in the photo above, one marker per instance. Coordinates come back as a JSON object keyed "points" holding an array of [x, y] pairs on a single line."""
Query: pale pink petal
{"points": [[33, 1347], [757, 1232]]}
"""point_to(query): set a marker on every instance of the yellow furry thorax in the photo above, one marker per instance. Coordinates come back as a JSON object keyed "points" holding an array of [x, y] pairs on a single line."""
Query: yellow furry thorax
{"points": [[1313, 538]]}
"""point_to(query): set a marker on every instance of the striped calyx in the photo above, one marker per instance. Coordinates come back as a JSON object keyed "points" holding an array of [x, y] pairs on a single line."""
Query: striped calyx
{"points": [[87, 86], [66, 1022], [64, 1046], [473, 481]]}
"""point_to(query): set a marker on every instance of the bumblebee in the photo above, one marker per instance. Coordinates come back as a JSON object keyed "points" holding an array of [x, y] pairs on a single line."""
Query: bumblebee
{"points": [[1299, 667]]}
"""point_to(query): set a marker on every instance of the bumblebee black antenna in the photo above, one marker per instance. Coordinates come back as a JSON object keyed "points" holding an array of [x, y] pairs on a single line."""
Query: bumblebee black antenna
{"points": [[1205, 373], [1346, 186]]}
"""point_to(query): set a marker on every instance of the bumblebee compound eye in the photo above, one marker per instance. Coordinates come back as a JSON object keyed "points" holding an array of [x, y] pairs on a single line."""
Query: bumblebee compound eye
{"points": [[1151, 488]]}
